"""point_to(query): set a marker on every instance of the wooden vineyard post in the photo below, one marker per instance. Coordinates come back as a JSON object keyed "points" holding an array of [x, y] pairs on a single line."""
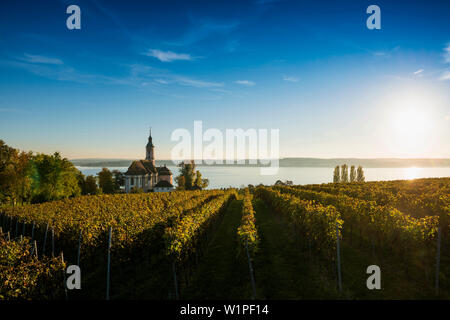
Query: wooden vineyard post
{"points": [[45, 240], [250, 267], [338, 257], [79, 248], [108, 270], [35, 250], [174, 272], [8, 236], [53, 242], [438, 260], [64, 277]]}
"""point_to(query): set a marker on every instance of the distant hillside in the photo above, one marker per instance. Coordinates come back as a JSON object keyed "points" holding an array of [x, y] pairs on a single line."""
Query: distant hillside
{"points": [[292, 162], [112, 162], [366, 163]]}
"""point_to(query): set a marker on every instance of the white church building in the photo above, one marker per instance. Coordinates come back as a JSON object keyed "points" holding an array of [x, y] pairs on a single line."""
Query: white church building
{"points": [[143, 174]]}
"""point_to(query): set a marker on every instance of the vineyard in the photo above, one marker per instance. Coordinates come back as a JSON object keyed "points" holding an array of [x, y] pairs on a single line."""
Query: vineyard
{"points": [[277, 242]]}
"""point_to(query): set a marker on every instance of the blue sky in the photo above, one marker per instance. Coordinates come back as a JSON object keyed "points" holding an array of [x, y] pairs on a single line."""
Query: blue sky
{"points": [[311, 69]]}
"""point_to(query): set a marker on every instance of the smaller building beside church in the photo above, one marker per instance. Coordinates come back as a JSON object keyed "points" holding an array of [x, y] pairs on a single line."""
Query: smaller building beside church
{"points": [[143, 174]]}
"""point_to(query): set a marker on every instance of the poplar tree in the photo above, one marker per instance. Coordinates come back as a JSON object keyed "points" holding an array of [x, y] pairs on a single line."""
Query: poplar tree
{"points": [[336, 175], [352, 174], [344, 173], [360, 175]]}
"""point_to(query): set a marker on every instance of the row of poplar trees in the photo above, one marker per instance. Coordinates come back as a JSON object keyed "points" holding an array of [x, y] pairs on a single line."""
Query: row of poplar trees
{"points": [[341, 174]]}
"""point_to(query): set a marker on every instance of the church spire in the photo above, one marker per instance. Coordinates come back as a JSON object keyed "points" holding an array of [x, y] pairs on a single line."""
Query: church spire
{"points": [[149, 149], [150, 139]]}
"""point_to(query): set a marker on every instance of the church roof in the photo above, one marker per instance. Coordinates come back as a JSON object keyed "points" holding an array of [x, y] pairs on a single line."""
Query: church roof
{"points": [[141, 167], [149, 166], [164, 171], [163, 184]]}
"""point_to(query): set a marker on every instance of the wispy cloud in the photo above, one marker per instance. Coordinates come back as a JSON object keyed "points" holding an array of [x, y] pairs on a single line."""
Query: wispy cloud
{"points": [[51, 71], [447, 53], [291, 79], [31, 58], [445, 76], [245, 82], [418, 71], [161, 81], [145, 74], [385, 53], [168, 56], [137, 75], [196, 83]]}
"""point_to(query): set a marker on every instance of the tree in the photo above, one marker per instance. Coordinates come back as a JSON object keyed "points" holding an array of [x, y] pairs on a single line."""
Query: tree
{"points": [[199, 182], [181, 182], [54, 178], [344, 173], [16, 184], [189, 178], [91, 186], [336, 175], [286, 183], [81, 182], [360, 175], [119, 180], [352, 174], [25, 177], [105, 181]]}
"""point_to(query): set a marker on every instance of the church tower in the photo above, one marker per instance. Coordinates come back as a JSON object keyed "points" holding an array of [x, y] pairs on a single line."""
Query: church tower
{"points": [[149, 149]]}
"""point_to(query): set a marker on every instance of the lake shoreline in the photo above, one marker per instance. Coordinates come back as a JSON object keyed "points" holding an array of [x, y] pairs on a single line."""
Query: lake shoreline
{"points": [[223, 177]]}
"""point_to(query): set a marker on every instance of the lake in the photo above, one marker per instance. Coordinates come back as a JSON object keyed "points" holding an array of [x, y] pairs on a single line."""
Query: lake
{"points": [[222, 177]]}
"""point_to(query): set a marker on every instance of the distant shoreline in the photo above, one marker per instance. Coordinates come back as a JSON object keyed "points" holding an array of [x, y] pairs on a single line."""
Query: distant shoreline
{"points": [[290, 162]]}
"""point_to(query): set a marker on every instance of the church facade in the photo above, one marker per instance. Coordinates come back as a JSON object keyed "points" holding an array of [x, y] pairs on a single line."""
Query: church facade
{"points": [[143, 174]]}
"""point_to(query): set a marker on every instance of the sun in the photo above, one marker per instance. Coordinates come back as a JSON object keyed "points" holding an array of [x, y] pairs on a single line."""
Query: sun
{"points": [[410, 119]]}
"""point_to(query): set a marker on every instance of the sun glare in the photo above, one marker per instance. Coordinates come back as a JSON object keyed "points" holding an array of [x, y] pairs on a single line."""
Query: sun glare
{"points": [[411, 173], [410, 123]]}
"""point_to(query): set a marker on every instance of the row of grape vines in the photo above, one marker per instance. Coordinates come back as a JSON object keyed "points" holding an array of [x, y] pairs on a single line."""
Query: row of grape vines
{"points": [[247, 231], [147, 229], [23, 276]]}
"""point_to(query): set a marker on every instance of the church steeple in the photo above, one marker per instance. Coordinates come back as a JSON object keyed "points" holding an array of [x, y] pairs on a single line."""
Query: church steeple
{"points": [[149, 149]]}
